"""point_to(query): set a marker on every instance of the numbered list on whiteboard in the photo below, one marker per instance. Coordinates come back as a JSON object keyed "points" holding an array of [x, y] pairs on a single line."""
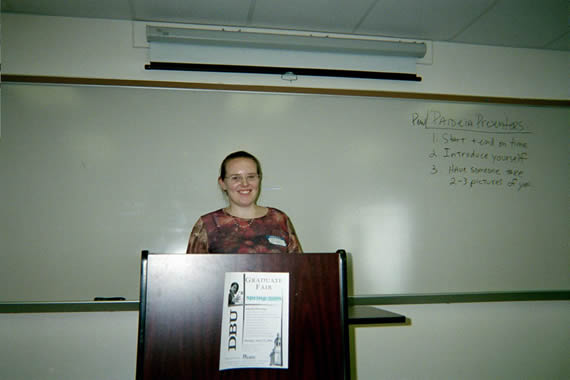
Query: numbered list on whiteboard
{"points": [[477, 151]]}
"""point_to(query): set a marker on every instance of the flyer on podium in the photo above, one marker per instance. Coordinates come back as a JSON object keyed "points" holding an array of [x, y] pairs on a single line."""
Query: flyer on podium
{"points": [[255, 321]]}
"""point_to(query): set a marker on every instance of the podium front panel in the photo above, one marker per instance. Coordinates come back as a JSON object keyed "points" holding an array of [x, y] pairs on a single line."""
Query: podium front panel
{"points": [[181, 314]]}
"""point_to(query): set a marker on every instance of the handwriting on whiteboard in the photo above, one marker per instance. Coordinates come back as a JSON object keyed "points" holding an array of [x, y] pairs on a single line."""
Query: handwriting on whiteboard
{"points": [[477, 151], [433, 119]]}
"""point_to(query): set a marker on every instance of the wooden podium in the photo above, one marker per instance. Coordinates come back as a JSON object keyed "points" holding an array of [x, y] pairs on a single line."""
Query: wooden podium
{"points": [[181, 307]]}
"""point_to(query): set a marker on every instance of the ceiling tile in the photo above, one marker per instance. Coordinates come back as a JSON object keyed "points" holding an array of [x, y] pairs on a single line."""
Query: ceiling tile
{"points": [[215, 12], [433, 19], [113, 9], [537, 23], [516, 23], [339, 16]]}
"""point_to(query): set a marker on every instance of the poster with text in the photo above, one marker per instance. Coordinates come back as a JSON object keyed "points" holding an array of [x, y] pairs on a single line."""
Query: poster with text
{"points": [[255, 321]]}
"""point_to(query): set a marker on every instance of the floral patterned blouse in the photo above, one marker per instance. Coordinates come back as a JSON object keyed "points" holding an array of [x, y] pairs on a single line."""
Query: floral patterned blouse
{"points": [[220, 232]]}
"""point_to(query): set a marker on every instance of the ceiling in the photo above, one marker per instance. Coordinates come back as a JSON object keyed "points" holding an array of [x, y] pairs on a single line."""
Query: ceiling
{"points": [[539, 24]]}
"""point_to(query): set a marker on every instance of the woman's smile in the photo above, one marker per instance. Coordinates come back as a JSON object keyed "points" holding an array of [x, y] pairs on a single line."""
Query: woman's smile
{"points": [[241, 184]]}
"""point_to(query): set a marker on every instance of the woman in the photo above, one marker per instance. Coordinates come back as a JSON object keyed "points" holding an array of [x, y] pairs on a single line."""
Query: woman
{"points": [[233, 297], [243, 226]]}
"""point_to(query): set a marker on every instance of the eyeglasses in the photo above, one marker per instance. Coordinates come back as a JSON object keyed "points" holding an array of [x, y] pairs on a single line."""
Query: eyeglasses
{"points": [[249, 178]]}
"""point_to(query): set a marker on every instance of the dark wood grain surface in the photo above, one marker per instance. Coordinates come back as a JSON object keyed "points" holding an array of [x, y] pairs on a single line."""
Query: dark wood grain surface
{"points": [[183, 314]]}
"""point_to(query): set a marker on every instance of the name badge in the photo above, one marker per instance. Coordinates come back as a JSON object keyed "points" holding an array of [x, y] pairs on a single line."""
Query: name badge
{"points": [[276, 240]]}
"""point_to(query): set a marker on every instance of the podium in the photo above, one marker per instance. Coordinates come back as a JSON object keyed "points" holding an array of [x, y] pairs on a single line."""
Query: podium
{"points": [[181, 305]]}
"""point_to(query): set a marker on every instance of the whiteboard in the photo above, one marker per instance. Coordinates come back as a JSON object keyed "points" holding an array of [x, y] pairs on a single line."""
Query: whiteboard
{"points": [[425, 196]]}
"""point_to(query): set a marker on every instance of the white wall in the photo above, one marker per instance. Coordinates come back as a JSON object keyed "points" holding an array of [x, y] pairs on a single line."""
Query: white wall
{"points": [[506, 340], [68, 346], [469, 341], [58, 46]]}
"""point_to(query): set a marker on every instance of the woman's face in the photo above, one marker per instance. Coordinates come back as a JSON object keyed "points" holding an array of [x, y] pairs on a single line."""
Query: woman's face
{"points": [[241, 182]]}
